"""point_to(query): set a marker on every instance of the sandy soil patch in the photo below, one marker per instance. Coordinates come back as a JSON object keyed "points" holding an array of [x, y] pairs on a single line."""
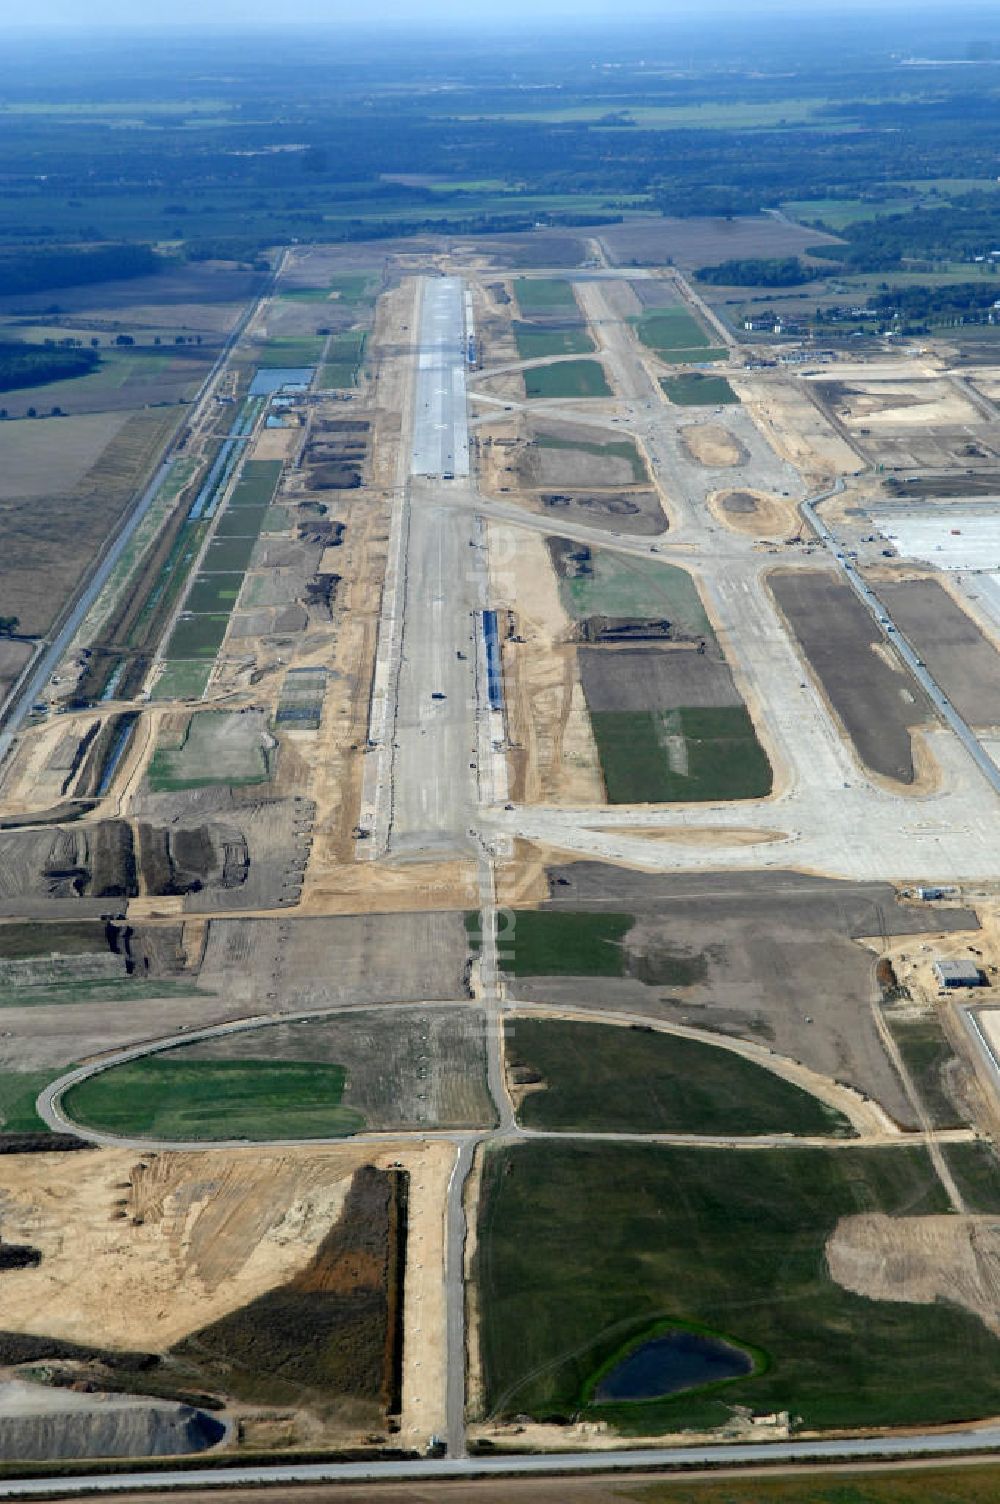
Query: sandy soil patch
{"points": [[276, 443], [712, 445], [920, 1260], [689, 835], [757, 513], [140, 1249], [897, 403], [424, 1325], [554, 757]]}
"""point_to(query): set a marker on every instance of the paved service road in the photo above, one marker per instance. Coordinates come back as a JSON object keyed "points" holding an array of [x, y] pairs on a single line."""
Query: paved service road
{"points": [[440, 429], [925, 1444]]}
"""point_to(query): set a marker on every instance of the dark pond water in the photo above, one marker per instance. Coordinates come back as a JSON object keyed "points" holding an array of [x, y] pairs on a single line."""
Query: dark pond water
{"points": [[671, 1362]]}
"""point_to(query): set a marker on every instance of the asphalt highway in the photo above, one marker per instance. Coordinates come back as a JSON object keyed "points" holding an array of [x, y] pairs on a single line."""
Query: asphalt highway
{"points": [[923, 1444]]}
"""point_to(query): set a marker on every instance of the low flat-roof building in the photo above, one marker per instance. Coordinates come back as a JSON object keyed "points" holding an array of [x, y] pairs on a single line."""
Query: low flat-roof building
{"points": [[958, 974]]}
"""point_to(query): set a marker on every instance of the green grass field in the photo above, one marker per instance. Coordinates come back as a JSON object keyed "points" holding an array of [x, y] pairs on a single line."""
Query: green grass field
{"points": [[544, 295], [300, 350], [197, 637], [925, 1050], [256, 484], [622, 449], [123, 990], [182, 680], [975, 1484], [541, 943], [673, 328], [209, 753], [242, 521], [228, 554], [342, 362], [976, 1171], [214, 592], [695, 390], [570, 378], [680, 756], [18, 1094], [165, 1097], [535, 341], [692, 357], [621, 586], [72, 938], [584, 1247], [624, 1080]]}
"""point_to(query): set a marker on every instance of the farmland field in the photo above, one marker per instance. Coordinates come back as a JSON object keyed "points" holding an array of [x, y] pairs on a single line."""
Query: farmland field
{"points": [[590, 1073], [681, 755], [583, 1248], [567, 378], [695, 390]]}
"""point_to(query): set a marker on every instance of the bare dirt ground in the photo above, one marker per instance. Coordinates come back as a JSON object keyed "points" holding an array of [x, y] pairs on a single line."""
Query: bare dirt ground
{"points": [[794, 426], [896, 402], [424, 1355], [920, 1260], [757, 513], [965, 665], [277, 443], [712, 445], [872, 693], [553, 755], [139, 1250], [779, 955], [291, 964]]}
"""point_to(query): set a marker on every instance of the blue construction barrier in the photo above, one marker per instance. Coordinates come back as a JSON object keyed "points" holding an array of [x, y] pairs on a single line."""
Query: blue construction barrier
{"points": [[494, 671]]}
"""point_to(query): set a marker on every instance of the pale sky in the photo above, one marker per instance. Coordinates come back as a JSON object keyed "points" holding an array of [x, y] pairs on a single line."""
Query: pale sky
{"points": [[464, 14]]}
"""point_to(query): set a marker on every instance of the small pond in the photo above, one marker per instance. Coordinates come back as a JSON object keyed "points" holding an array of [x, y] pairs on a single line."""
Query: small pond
{"points": [[670, 1362]]}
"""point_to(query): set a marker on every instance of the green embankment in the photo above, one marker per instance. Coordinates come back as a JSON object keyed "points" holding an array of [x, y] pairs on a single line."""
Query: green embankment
{"points": [[164, 1097], [605, 1078], [584, 1247], [677, 756]]}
